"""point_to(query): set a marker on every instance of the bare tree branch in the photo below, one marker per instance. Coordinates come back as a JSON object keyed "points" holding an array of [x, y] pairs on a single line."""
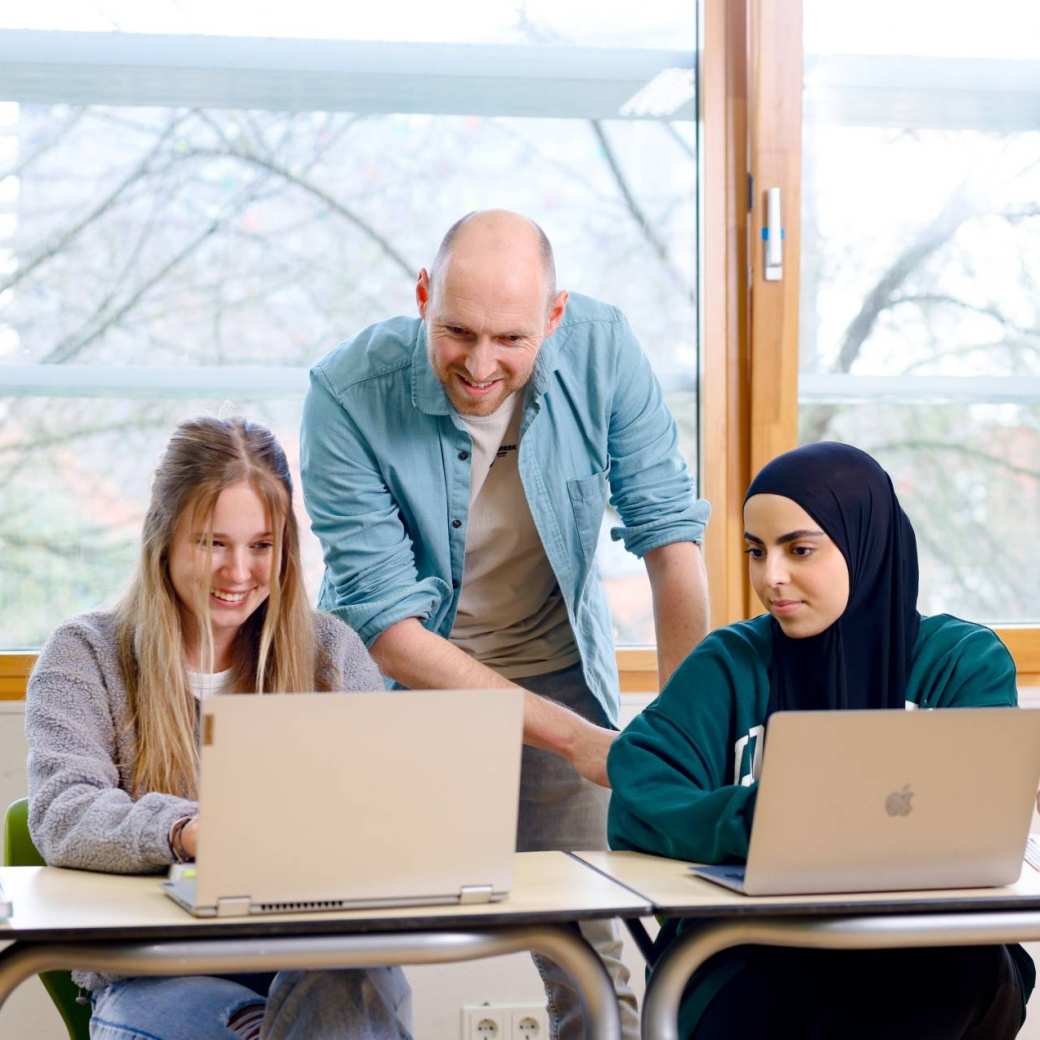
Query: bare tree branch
{"points": [[54, 248], [1012, 346], [323, 196], [70, 346], [26, 162], [985, 310], [54, 440], [963, 450], [642, 221], [930, 239], [690, 150]]}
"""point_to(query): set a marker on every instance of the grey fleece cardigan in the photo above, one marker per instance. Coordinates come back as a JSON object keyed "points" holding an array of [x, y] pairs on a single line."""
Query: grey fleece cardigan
{"points": [[81, 751]]}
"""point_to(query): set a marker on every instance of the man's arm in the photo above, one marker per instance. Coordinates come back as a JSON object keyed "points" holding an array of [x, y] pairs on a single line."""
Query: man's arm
{"points": [[376, 589], [418, 658], [680, 589]]}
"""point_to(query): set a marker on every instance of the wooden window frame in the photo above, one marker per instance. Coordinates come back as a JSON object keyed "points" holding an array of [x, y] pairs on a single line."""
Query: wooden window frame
{"points": [[750, 125], [749, 122], [775, 58]]}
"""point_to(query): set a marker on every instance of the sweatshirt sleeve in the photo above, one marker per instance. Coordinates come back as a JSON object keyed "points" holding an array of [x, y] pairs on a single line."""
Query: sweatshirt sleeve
{"points": [[354, 665], [79, 814], [963, 665], [671, 769]]}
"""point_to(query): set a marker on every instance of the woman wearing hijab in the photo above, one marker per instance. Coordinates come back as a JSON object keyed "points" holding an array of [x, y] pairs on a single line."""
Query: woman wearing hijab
{"points": [[833, 559]]}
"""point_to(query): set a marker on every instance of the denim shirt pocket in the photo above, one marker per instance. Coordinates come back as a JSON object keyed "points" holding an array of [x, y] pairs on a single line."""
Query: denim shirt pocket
{"points": [[588, 497]]}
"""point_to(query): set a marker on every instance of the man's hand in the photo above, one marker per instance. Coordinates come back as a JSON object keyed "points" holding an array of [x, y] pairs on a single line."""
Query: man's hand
{"points": [[422, 660], [589, 755]]}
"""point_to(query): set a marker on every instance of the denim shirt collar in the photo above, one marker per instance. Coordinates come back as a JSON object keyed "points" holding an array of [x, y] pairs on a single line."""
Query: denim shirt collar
{"points": [[428, 393], [546, 363], [427, 390]]}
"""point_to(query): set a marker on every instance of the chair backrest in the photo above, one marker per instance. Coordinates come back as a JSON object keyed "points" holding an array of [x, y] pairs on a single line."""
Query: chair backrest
{"points": [[19, 851]]}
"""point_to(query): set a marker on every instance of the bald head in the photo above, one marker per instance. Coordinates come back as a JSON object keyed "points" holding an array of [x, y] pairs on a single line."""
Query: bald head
{"points": [[498, 236], [488, 304]]}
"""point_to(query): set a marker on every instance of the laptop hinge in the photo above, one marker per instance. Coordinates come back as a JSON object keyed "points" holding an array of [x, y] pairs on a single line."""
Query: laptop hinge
{"points": [[476, 893], [233, 906]]}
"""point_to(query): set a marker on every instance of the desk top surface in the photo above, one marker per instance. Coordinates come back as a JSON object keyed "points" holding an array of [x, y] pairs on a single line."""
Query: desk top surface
{"points": [[52, 904], [673, 890]]}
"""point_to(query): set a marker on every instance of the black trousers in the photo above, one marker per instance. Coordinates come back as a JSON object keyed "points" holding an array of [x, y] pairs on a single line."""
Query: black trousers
{"points": [[956, 993]]}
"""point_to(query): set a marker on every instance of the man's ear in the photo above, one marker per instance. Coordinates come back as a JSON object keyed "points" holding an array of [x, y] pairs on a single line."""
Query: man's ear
{"points": [[556, 311], [422, 292]]}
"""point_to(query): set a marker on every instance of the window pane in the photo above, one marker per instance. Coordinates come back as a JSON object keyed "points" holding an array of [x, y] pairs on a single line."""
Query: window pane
{"points": [[76, 477], [920, 311], [535, 22], [158, 262]]}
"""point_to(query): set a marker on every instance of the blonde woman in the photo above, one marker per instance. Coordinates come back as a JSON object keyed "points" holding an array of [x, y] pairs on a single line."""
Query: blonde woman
{"points": [[217, 605]]}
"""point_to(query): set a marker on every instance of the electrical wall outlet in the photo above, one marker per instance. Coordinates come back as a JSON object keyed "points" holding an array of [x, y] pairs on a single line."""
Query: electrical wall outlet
{"points": [[487, 1022], [530, 1022], [505, 1022]]}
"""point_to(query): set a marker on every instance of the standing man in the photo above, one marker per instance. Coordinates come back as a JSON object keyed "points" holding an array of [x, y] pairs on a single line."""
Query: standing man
{"points": [[456, 467]]}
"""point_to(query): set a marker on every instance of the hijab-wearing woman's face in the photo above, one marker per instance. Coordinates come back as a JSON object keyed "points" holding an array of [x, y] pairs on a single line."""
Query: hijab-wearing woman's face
{"points": [[236, 575], [797, 572]]}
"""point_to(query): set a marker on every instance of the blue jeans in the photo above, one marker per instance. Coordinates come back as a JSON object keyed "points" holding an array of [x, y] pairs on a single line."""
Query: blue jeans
{"points": [[357, 1004]]}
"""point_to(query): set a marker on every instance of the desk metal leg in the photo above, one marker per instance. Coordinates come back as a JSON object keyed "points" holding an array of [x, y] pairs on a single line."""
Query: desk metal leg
{"points": [[687, 954], [559, 943]]}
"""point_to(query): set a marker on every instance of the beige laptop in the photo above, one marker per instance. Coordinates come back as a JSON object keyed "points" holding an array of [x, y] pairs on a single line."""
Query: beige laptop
{"points": [[334, 801], [863, 801]]}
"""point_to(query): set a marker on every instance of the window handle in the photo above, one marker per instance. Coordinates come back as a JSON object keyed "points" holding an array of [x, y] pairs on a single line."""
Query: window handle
{"points": [[773, 236]]}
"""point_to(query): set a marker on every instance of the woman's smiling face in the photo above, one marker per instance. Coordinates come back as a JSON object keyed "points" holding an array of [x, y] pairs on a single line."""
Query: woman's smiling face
{"points": [[236, 572], [797, 572]]}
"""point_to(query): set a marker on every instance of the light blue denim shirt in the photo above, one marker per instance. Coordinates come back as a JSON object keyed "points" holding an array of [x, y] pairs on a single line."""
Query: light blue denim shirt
{"points": [[386, 474]]}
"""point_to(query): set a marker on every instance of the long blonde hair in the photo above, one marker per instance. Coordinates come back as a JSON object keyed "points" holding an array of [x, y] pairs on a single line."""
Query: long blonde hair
{"points": [[274, 651]]}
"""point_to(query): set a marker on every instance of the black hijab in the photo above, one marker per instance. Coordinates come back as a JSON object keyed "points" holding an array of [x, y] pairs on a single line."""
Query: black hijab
{"points": [[863, 659]]}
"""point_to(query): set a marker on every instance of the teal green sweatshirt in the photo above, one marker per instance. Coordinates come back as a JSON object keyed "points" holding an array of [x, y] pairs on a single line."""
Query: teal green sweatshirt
{"points": [[682, 772]]}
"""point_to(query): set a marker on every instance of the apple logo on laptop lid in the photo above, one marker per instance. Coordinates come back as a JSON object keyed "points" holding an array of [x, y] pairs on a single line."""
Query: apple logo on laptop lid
{"points": [[898, 802]]}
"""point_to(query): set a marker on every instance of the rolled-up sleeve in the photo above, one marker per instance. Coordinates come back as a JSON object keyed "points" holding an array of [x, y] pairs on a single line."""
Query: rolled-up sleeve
{"points": [[371, 580], [649, 482]]}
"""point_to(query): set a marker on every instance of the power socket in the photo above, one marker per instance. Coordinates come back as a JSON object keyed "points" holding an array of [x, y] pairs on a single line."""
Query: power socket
{"points": [[485, 1022], [505, 1022], [530, 1023]]}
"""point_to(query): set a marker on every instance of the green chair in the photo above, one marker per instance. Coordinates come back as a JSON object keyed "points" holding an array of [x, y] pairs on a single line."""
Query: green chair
{"points": [[19, 851]]}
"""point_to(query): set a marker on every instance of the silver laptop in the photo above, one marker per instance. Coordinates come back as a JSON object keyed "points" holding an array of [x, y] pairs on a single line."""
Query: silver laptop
{"points": [[863, 801], [335, 801]]}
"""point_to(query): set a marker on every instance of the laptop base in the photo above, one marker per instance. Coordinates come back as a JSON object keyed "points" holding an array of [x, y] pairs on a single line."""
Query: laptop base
{"points": [[731, 876], [182, 890]]}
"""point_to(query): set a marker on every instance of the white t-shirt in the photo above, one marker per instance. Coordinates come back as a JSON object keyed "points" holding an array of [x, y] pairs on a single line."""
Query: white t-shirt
{"points": [[204, 684], [511, 614]]}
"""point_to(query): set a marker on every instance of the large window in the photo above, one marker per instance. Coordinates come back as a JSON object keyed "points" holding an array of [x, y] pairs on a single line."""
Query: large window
{"points": [[187, 222], [920, 278]]}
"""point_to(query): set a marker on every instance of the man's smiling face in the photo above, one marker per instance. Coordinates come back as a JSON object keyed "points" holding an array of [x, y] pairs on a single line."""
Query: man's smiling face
{"points": [[487, 313]]}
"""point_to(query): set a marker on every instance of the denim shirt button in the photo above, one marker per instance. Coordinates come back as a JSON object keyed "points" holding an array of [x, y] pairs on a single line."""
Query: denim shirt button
{"points": [[456, 524], [463, 455]]}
